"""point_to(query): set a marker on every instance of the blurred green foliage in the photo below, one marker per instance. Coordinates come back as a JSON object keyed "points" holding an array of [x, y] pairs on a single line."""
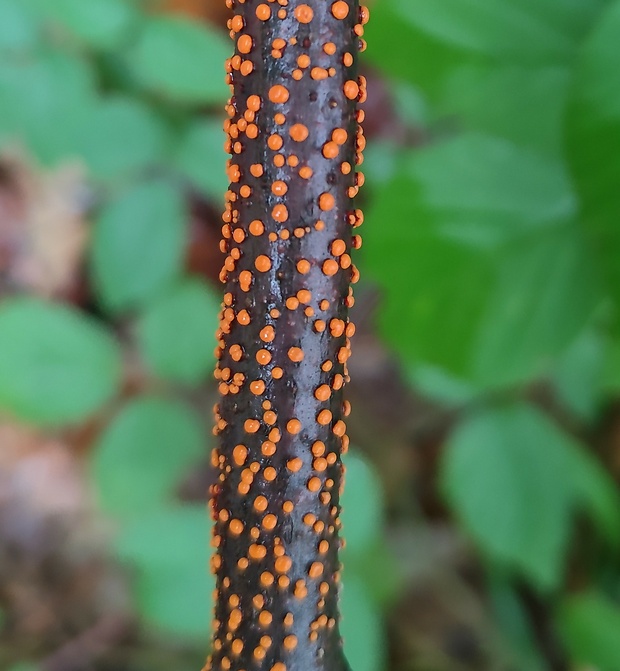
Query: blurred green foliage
{"points": [[496, 244]]}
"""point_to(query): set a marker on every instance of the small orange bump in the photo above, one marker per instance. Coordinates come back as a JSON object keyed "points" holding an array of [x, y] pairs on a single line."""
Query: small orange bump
{"points": [[257, 227], [293, 426], [347, 59], [314, 484], [280, 213], [265, 618], [338, 247], [339, 136], [305, 172], [277, 373], [257, 551], [304, 296], [275, 142], [330, 267], [263, 357], [251, 425], [267, 334], [294, 465], [324, 417], [316, 569], [279, 188], [318, 448], [288, 506], [263, 12], [296, 354], [290, 642], [322, 393], [269, 522], [268, 448], [299, 132], [351, 89], [327, 202], [339, 428], [303, 61], [267, 578], [244, 44], [319, 73], [260, 504], [270, 474], [252, 131], [300, 590], [262, 263], [292, 303], [243, 318], [240, 454], [257, 387], [330, 150], [340, 9], [304, 13], [303, 266], [278, 93], [283, 564], [329, 48], [278, 666]]}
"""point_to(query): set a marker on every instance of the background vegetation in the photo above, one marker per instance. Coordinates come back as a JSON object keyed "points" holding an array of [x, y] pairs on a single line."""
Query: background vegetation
{"points": [[482, 510]]}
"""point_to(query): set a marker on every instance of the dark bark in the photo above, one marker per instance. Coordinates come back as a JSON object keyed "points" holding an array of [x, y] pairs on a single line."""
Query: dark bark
{"points": [[284, 335]]}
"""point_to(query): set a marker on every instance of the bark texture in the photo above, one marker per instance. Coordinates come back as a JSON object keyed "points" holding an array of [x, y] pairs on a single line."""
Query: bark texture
{"points": [[284, 337]]}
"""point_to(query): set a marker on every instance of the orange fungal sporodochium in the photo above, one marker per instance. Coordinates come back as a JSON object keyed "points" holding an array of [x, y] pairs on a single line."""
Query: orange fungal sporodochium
{"points": [[283, 343]]}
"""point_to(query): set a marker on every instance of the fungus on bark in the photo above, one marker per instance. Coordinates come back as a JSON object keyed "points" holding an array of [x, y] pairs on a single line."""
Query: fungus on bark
{"points": [[294, 132]]}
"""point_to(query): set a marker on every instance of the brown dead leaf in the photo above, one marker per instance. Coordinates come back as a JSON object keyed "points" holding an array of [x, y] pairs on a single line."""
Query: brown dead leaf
{"points": [[42, 231]]}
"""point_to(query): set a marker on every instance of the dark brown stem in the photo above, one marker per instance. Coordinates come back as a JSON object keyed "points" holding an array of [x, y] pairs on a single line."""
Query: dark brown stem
{"points": [[284, 336]]}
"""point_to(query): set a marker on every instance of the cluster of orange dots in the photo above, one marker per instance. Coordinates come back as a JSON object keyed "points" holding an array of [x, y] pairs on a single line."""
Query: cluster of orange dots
{"points": [[245, 124]]}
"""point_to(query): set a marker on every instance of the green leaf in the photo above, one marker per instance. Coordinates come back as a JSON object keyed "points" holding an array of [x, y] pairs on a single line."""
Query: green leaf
{"points": [[546, 290], [578, 376], [56, 366], [143, 452], [504, 475], [491, 249], [362, 504], [594, 140], [515, 627], [43, 100], [176, 332], [596, 494], [424, 41], [138, 244], [100, 23], [510, 30], [121, 136], [181, 60], [174, 585], [589, 624], [201, 157], [18, 29], [528, 103], [361, 627]]}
